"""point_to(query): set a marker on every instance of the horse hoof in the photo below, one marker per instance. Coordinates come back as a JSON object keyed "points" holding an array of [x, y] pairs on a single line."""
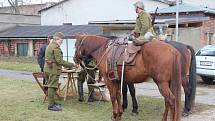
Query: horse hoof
{"points": [[186, 113], [118, 118], [134, 113], [112, 119]]}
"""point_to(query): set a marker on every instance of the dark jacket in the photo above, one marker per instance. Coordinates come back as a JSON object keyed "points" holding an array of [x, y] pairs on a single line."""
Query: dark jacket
{"points": [[41, 56]]}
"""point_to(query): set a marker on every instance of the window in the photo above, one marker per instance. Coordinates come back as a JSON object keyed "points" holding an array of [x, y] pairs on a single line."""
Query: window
{"points": [[210, 38], [206, 51]]}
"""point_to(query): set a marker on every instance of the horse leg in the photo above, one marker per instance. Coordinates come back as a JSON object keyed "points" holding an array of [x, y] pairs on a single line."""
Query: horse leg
{"points": [[124, 96], [133, 97], [187, 104], [169, 100], [112, 87], [166, 111], [120, 110]]}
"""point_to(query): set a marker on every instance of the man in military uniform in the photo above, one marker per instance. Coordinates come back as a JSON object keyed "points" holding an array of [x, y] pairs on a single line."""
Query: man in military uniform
{"points": [[53, 67], [143, 30], [88, 74]]}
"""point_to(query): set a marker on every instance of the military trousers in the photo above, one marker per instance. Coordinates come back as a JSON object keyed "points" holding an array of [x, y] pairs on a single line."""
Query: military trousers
{"points": [[52, 79], [52, 86], [82, 75], [140, 41]]}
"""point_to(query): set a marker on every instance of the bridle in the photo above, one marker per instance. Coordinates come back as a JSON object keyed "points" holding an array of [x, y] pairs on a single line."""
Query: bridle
{"points": [[78, 56]]}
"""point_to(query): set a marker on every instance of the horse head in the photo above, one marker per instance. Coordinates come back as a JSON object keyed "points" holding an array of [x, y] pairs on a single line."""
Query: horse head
{"points": [[87, 45]]}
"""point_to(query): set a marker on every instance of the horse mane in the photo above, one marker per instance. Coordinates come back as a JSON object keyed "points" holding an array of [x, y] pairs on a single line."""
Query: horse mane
{"points": [[109, 37]]}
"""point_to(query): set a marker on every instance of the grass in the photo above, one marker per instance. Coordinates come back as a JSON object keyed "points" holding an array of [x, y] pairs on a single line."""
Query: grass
{"points": [[19, 63], [22, 101]]}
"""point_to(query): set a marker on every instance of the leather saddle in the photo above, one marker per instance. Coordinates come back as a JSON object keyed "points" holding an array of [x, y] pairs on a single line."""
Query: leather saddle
{"points": [[123, 50]]}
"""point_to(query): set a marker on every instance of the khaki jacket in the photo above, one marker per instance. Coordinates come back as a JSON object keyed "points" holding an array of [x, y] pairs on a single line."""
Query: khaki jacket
{"points": [[143, 24], [54, 59]]}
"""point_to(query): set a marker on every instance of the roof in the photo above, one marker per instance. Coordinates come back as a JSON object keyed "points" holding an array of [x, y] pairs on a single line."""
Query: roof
{"points": [[185, 8], [169, 2], [170, 20], [53, 5], [184, 19], [19, 32]]}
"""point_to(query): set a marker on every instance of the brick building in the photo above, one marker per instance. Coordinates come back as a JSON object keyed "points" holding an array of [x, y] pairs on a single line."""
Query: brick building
{"points": [[27, 40], [196, 24]]}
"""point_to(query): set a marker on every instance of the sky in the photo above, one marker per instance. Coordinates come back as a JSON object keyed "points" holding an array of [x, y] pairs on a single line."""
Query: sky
{"points": [[5, 2]]}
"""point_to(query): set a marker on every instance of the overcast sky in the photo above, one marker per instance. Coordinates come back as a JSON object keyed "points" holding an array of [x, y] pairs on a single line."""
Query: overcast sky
{"points": [[5, 2]]}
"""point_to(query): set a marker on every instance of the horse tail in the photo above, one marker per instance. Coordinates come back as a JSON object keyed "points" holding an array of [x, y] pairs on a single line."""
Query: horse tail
{"points": [[192, 76], [175, 85]]}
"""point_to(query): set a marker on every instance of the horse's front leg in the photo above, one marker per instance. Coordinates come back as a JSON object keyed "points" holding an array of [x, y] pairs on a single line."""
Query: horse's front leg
{"points": [[113, 96], [119, 101]]}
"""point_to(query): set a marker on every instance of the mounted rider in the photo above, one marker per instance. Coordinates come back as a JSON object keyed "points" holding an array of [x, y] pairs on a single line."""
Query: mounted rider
{"points": [[143, 30], [142, 33]]}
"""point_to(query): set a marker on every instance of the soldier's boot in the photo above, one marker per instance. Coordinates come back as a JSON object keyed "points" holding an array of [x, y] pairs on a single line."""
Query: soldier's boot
{"points": [[90, 94], [52, 106], [80, 93]]}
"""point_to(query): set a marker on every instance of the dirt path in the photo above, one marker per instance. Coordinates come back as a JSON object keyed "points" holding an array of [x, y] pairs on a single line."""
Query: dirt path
{"points": [[203, 116], [21, 75]]}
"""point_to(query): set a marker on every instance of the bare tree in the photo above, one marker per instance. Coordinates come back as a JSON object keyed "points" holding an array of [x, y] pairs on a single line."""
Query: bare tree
{"points": [[14, 5]]}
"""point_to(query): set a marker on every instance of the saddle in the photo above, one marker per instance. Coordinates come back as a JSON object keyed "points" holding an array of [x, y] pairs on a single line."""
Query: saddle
{"points": [[119, 54], [121, 50]]}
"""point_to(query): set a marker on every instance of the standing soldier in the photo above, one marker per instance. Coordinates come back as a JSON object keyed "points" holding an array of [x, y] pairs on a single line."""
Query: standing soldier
{"points": [[90, 75], [143, 25], [53, 67]]}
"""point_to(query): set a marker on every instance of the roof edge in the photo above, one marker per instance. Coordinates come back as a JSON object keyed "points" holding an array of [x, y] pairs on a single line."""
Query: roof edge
{"points": [[61, 2]]}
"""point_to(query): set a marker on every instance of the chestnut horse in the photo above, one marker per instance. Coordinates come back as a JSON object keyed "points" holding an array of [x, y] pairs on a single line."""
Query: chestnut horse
{"points": [[156, 59], [188, 73]]}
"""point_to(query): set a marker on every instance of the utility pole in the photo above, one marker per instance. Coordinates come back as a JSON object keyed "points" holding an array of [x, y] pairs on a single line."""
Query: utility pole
{"points": [[177, 15]]}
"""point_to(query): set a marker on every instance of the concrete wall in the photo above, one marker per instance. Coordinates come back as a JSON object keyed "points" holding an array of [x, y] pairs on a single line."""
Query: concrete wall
{"points": [[19, 19], [11, 20], [190, 36], [79, 12], [26, 9]]}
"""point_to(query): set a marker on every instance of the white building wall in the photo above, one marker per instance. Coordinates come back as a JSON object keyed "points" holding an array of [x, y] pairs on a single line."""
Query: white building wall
{"points": [[79, 12]]}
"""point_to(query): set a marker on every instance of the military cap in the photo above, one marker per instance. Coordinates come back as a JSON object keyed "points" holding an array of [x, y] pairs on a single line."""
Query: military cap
{"points": [[59, 35], [139, 4]]}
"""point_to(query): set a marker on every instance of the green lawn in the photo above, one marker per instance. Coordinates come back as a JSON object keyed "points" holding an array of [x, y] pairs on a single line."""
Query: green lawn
{"points": [[19, 63], [22, 101]]}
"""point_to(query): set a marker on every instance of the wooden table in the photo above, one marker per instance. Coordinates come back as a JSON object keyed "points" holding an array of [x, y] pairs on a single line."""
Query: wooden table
{"points": [[71, 89]]}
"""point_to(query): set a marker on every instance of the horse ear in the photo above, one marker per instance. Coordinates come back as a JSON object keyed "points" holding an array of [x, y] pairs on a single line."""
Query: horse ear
{"points": [[78, 36]]}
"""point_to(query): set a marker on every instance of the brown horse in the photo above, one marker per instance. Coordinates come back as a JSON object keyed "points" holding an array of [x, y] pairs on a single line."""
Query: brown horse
{"points": [[188, 73], [156, 59]]}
